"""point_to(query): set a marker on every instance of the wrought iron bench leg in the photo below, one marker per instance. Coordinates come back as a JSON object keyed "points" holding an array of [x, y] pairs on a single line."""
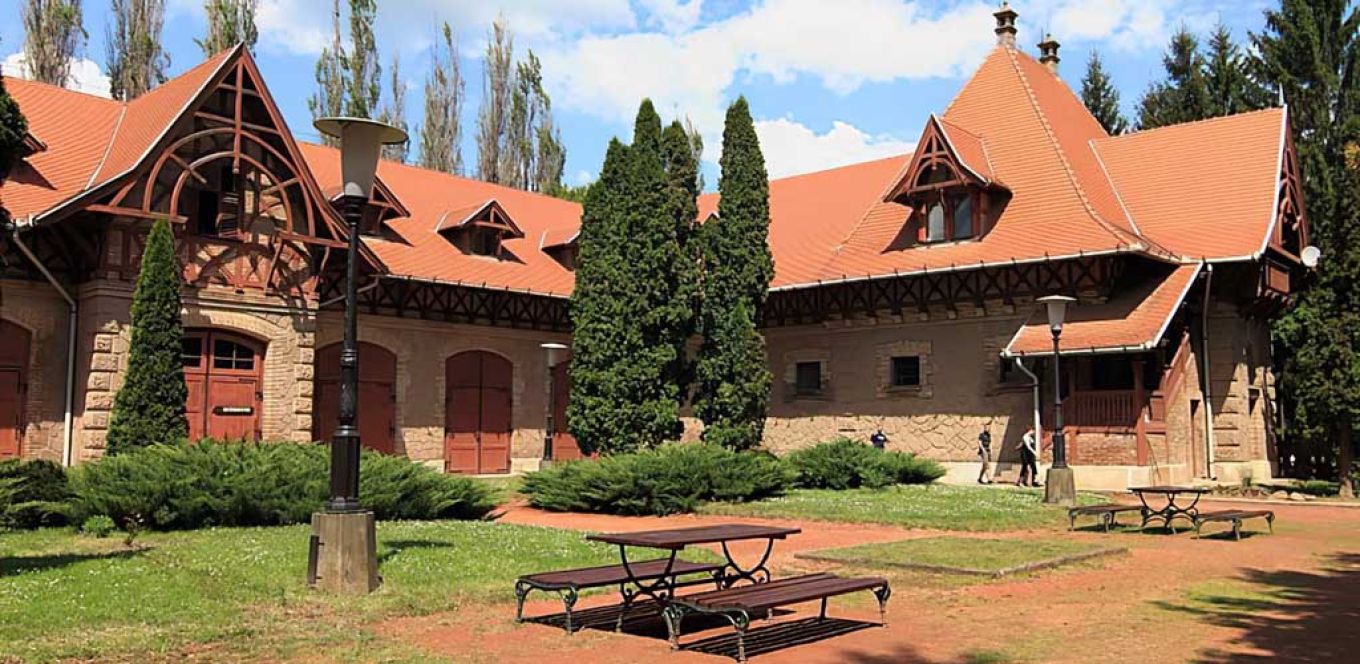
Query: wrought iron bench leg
{"points": [[822, 616], [1237, 529], [1071, 521], [628, 596], [883, 594], [673, 614], [741, 621], [569, 600], [521, 591], [1270, 523]]}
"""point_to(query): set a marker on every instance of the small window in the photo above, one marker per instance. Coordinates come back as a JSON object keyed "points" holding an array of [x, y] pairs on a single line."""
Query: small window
{"points": [[808, 378], [484, 243], [191, 355], [935, 222], [906, 371], [963, 216], [231, 355]]}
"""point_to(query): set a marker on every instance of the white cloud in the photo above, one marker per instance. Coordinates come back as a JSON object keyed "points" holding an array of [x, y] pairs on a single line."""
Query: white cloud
{"points": [[672, 15], [86, 76], [791, 148], [582, 177]]}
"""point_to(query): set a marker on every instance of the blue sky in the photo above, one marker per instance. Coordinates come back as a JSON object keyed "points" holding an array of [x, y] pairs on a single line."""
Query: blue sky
{"points": [[829, 83]]}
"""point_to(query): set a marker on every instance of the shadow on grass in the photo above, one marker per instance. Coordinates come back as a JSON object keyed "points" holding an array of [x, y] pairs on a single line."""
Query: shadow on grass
{"points": [[13, 565], [1288, 616], [394, 548]]}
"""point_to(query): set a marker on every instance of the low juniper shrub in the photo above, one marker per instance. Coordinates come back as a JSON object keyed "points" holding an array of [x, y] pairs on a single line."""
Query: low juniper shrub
{"points": [[842, 463], [100, 526], [673, 478], [33, 494]]}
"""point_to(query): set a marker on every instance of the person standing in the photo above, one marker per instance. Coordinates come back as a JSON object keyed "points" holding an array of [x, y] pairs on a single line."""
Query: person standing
{"points": [[879, 440], [1029, 459], [984, 451]]}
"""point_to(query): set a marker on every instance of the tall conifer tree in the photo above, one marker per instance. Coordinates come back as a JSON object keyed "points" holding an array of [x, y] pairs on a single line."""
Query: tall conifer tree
{"points": [[149, 407], [136, 59], [13, 128], [493, 118], [54, 33], [1101, 97], [1184, 95], [733, 379], [363, 78], [329, 98], [441, 130], [394, 112], [229, 22], [1228, 80]]}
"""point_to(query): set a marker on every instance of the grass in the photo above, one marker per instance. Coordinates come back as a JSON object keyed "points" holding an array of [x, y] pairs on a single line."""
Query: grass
{"points": [[242, 590], [502, 489], [936, 506], [990, 555]]}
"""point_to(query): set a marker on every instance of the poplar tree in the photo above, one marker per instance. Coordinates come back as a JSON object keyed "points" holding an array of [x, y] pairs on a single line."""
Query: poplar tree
{"points": [[1101, 97], [394, 113], [1184, 95], [552, 154], [733, 379], [441, 132], [136, 58], [493, 118], [54, 32], [518, 154], [363, 78], [149, 407], [230, 22], [329, 98], [1310, 51], [1227, 77]]}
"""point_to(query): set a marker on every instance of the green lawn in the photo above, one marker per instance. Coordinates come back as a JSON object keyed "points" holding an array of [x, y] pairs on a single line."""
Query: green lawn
{"points": [[242, 590], [989, 555], [938, 506]]}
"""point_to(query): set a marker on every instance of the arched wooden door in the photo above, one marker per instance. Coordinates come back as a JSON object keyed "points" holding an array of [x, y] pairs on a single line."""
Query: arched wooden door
{"points": [[564, 445], [377, 396], [477, 413], [223, 373], [14, 348]]}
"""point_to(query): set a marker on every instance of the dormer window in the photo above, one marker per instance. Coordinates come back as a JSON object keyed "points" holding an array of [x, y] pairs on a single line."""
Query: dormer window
{"points": [[478, 230], [950, 186]]}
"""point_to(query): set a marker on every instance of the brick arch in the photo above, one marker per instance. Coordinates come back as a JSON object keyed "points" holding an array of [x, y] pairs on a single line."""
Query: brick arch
{"points": [[377, 395], [15, 346]]}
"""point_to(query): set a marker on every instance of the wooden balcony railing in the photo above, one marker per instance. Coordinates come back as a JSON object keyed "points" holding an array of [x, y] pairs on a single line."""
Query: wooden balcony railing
{"points": [[1098, 408]]}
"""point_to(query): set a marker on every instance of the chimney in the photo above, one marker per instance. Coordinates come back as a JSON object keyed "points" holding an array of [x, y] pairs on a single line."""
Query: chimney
{"points": [[1048, 53], [1005, 25]]}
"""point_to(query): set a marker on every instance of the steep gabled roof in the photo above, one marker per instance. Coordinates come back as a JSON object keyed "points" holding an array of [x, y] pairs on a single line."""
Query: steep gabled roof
{"points": [[488, 213]]}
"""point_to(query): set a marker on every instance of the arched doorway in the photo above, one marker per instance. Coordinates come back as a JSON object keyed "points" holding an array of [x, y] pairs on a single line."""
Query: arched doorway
{"points": [[223, 373], [477, 413], [14, 348], [564, 447], [377, 396]]}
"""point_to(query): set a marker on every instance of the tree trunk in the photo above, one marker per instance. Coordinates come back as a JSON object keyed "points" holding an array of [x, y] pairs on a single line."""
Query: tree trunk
{"points": [[1344, 461]]}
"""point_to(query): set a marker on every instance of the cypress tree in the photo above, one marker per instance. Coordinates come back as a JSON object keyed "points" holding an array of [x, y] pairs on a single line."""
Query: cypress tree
{"points": [[1184, 96], [13, 128], [1101, 97], [682, 194], [149, 408], [733, 379]]}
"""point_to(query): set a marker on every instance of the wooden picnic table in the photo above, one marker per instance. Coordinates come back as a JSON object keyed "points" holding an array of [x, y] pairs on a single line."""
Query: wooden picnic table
{"points": [[1170, 509], [674, 540]]}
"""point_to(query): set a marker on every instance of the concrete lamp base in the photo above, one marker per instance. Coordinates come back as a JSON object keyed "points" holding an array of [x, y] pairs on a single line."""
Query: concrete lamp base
{"points": [[344, 558], [1060, 487]]}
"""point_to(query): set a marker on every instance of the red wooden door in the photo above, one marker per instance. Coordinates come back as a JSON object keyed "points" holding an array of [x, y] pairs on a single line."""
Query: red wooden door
{"points": [[377, 396], [477, 413], [14, 341], [564, 444], [223, 373]]}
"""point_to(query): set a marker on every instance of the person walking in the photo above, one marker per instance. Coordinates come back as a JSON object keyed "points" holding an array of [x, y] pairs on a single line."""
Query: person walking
{"points": [[984, 451], [1029, 459]]}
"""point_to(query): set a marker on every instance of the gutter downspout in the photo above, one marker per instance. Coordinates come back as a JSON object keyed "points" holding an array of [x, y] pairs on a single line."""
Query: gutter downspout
{"points": [[1034, 381], [1208, 380], [68, 431]]}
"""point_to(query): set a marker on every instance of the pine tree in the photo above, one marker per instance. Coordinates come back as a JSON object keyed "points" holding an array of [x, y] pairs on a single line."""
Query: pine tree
{"points": [[1309, 49], [1184, 96], [13, 128], [363, 78], [149, 408], [493, 118], [394, 113], [329, 98], [1228, 81], [441, 132], [230, 22], [136, 58], [1101, 97], [54, 32], [733, 380]]}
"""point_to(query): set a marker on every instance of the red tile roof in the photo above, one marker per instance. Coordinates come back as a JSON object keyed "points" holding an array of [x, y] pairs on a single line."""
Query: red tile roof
{"points": [[1133, 320]]}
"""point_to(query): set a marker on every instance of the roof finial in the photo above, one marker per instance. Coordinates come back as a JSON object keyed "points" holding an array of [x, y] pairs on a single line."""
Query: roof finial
{"points": [[1048, 53], [1005, 25]]}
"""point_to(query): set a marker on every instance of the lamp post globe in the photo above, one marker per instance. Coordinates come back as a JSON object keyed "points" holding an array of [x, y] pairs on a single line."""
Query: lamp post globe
{"points": [[1060, 485], [343, 555]]}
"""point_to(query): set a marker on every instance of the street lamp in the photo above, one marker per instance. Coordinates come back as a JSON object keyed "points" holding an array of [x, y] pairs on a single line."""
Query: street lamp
{"points": [[1059, 485], [344, 543], [553, 351]]}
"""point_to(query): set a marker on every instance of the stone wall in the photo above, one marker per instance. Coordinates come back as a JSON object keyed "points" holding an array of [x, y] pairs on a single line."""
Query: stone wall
{"points": [[1239, 367], [36, 307]]}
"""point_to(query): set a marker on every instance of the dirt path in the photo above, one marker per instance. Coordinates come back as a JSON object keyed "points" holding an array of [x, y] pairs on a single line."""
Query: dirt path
{"points": [[1251, 602]]}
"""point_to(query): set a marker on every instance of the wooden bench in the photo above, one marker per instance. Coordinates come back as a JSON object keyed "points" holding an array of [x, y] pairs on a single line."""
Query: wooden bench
{"points": [[1106, 513], [738, 604], [1234, 517], [568, 583]]}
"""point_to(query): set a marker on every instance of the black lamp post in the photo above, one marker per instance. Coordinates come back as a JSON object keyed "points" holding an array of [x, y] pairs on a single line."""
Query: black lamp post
{"points": [[1059, 486], [344, 546], [553, 352]]}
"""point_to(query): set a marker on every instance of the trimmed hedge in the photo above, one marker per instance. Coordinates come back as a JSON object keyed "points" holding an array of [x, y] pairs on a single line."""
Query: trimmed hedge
{"points": [[671, 479], [33, 494], [170, 487], [842, 463]]}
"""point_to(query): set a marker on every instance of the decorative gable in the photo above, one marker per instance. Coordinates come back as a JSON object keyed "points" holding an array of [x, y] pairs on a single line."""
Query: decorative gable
{"points": [[950, 185], [478, 229], [1289, 233]]}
